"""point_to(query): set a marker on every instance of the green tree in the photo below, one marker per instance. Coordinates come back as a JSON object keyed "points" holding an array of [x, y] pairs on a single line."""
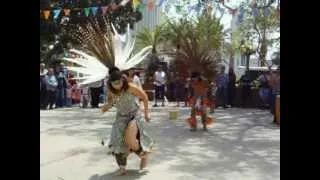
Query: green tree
{"points": [[261, 26], [198, 44], [147, 37]]}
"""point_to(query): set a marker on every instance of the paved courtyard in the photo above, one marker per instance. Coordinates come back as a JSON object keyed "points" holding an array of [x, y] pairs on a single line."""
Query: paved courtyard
{"points": [[242, 145]]}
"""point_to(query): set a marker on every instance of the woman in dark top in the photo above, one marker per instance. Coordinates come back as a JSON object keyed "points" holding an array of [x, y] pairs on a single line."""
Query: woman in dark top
{"points": [[245, 85], [231, 87]]}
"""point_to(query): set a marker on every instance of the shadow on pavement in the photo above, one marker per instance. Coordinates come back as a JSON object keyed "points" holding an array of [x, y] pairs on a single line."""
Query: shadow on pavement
{"points": [[132, 174]]}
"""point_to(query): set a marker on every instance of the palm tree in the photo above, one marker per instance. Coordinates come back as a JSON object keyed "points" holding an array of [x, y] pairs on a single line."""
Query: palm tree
{"points": [[198, 44], [147, 37]]}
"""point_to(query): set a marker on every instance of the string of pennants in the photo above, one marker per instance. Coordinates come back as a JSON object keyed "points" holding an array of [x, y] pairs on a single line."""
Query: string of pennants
{"points": [[150, 4], [137, 4]]}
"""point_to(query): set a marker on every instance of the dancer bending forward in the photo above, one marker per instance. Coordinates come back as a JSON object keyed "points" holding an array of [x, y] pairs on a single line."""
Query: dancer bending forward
{"points": [[128, 134]]}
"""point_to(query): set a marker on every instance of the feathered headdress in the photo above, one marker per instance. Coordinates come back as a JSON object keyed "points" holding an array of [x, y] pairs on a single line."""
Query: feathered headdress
{"points": [[104, 49]]}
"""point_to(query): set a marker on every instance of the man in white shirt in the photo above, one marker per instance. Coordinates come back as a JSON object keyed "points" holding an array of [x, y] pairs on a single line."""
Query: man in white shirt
{"points": [[159, 82]]}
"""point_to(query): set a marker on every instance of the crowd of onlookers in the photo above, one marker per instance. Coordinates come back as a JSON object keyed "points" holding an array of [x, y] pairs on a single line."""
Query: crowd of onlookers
{"points": [[222, 90], [59, 89]]}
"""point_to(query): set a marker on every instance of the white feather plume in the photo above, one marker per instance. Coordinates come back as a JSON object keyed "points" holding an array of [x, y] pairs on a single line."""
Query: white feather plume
{"points": [[93, 70]]}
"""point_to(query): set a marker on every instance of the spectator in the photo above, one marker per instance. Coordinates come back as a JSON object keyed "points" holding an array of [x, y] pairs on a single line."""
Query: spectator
{"points": [[231, 87], [95, 91], [187, 91], [172, 85], [245, 84], [159, 82], [222, 84], [61, 89], [43, 88], [179, 90], [264, 89], [212, 95], [136, 79], [69, 95], [275, 86], [85, 97], [51, 85], [64, 70], [76, 94]]}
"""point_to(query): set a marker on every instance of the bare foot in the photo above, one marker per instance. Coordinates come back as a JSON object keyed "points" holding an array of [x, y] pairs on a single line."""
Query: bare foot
{"points": [[143, 162], [121, 172]]}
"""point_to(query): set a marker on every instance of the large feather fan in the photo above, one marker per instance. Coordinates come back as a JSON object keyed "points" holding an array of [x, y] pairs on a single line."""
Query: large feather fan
{"points": [[104, 49]]}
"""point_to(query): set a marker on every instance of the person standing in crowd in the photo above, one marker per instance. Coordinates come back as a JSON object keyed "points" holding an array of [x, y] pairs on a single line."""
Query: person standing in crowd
{"points": [[61, 89], [65, 72], [85, 97], [275, 90], [187, 91], [95, 91], [69, 95], [51, 85], [172, 85], [245, 84], [43, 88], [231, 87], [212, 90], [179, 89], [222, 91], [264, 89], [160, 82], [76, 94], [136, 78]]}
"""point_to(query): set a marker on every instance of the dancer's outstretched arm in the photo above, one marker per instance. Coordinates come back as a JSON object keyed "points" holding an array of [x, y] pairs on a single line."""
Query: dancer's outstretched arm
{"points": [[133, 89]]}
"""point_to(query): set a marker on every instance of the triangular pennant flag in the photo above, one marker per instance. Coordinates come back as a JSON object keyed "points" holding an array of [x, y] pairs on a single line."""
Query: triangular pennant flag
{"points": [[241, 11], [266, 11], [160, 3], [104, 9], [142, 7], [150, 6], [115, 6], [66, 12], [86, 11], [94, 10], [46, 14], [56, 13], [255, 12], [135, 3], [178, 8]]}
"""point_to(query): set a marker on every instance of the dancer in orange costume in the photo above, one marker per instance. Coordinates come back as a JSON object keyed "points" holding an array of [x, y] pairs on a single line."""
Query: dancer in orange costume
{"points": [[198, 103]]}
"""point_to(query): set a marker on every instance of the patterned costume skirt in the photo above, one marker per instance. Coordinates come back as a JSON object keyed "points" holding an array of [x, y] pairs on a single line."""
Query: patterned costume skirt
{"points": [[118, 143]]}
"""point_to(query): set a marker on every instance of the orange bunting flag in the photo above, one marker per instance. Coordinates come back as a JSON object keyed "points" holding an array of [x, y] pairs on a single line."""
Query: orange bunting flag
{"points": [[150, 6], [46, 14], [66, 12]]}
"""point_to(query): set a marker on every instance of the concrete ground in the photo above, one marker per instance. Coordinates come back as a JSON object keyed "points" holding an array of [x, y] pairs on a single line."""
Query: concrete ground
{"points": [[242, 145]]}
